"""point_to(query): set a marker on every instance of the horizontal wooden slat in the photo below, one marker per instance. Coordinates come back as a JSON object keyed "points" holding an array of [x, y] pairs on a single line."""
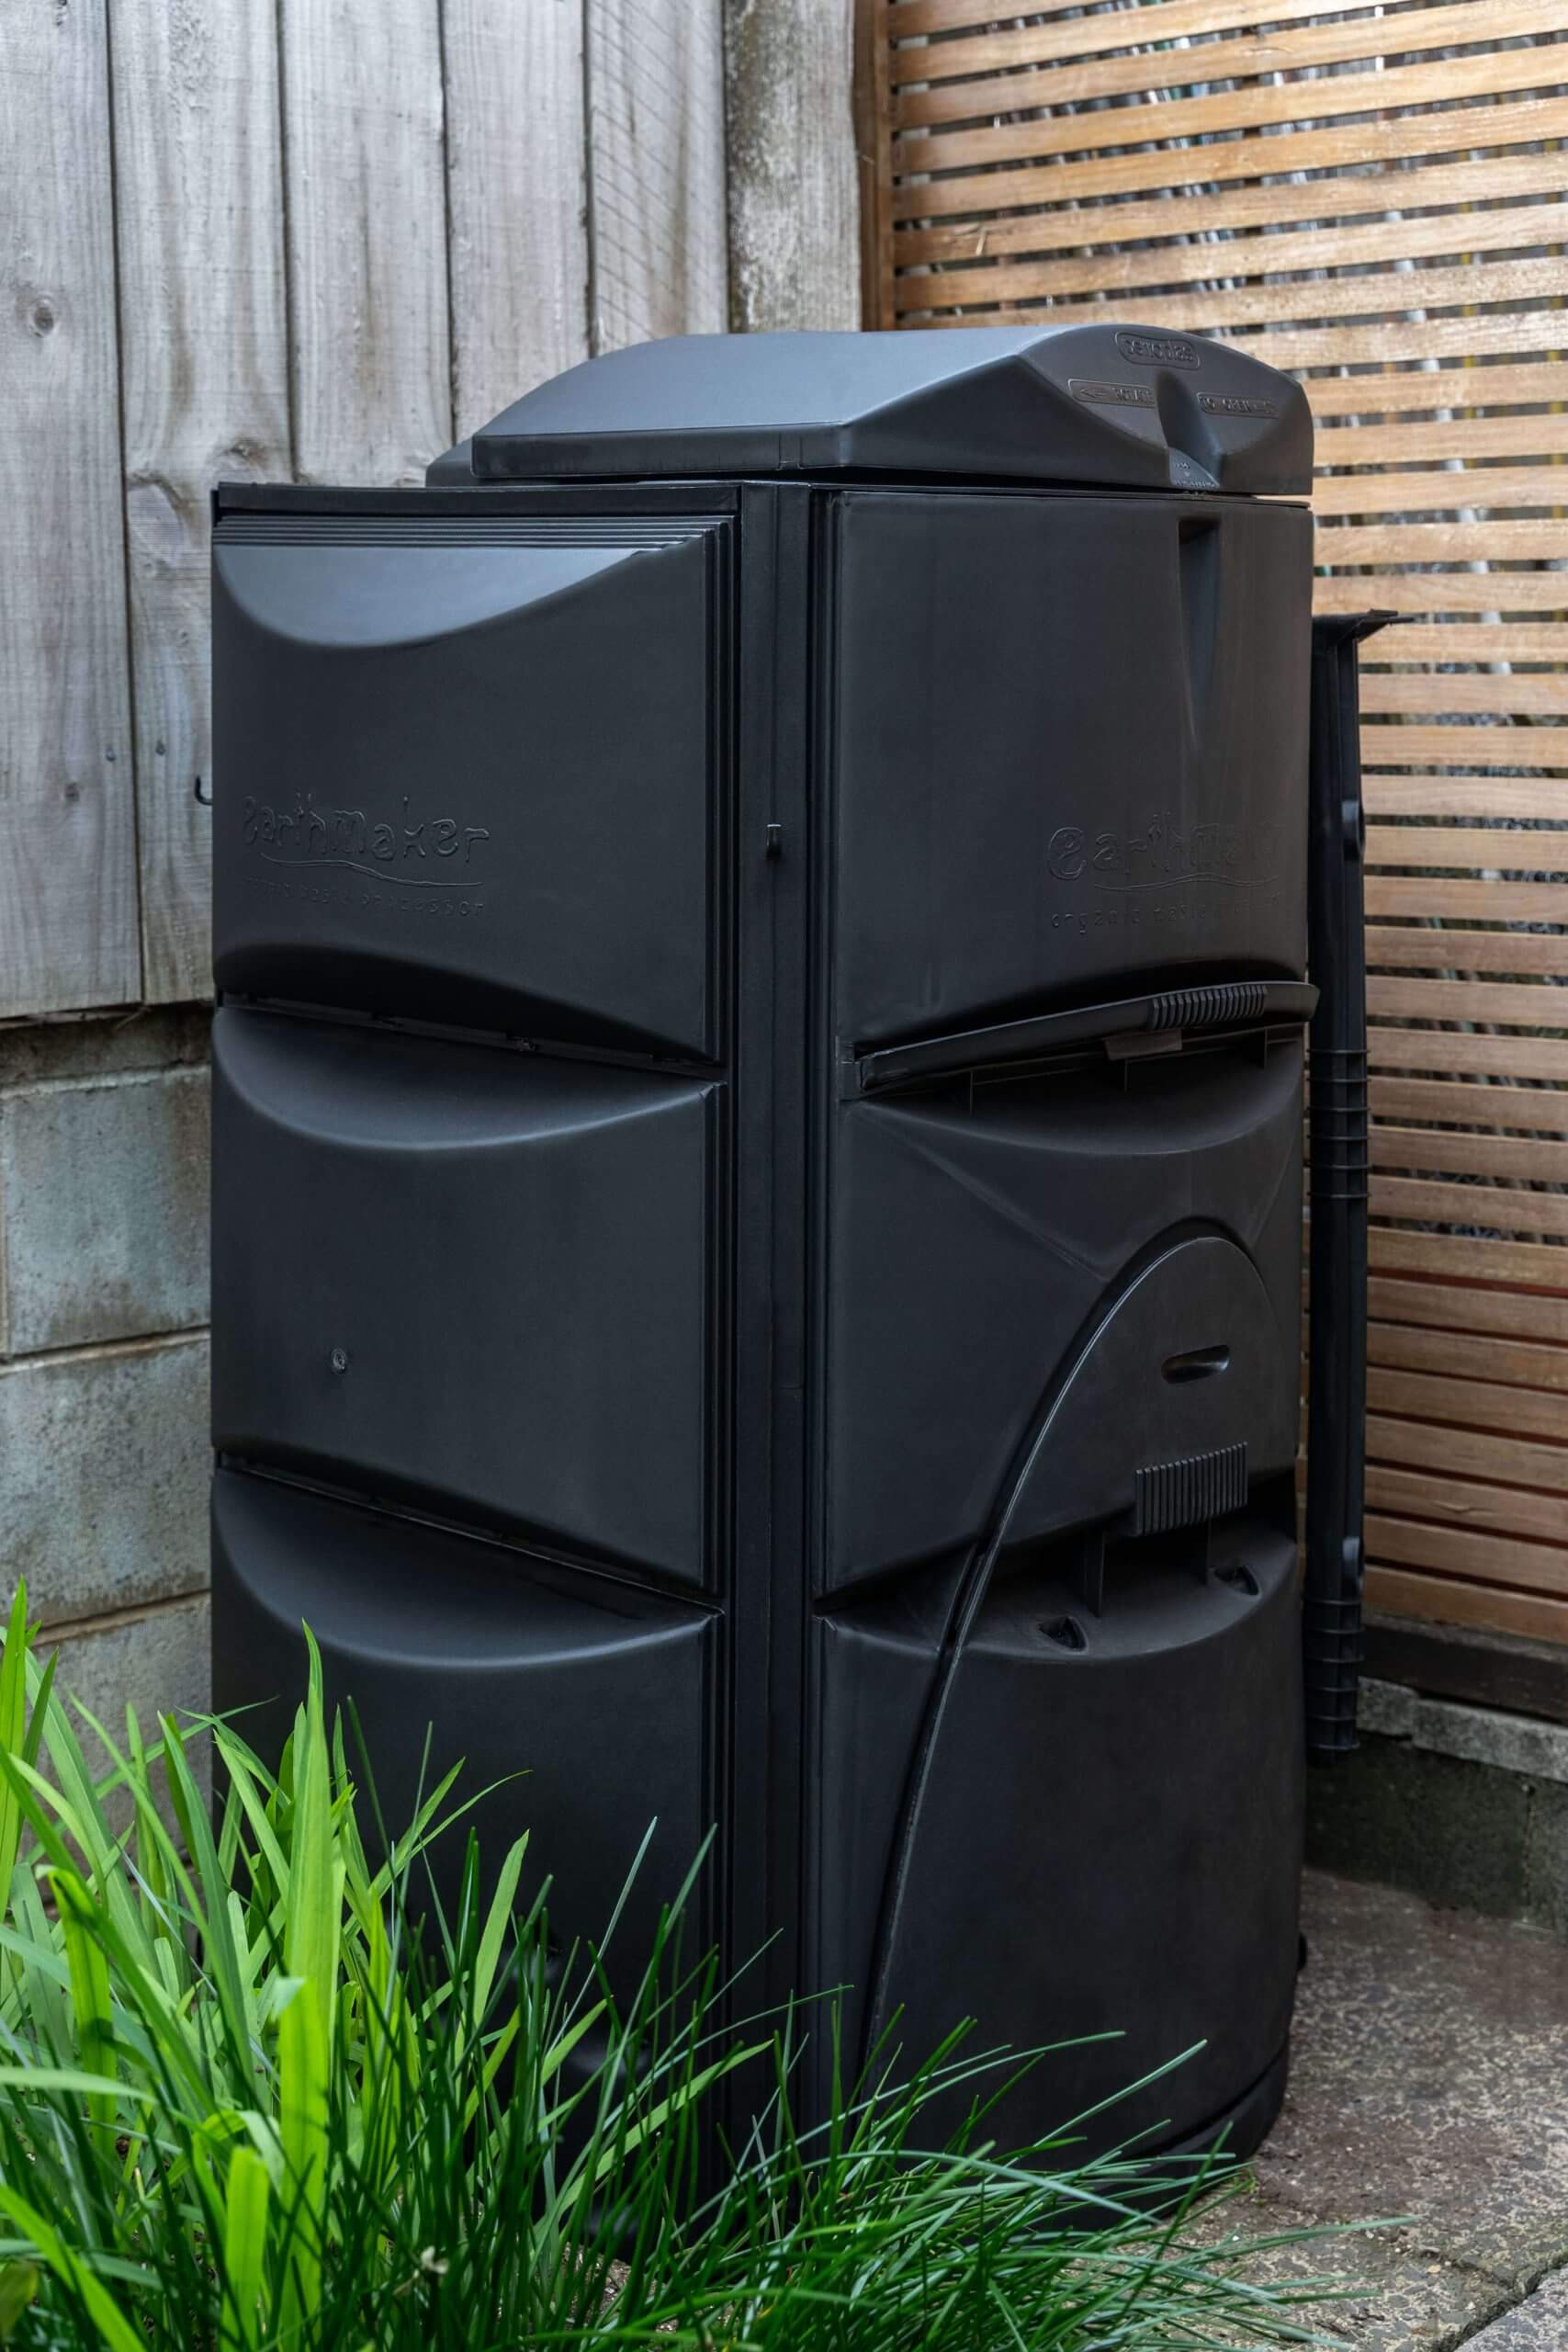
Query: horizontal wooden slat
{"points": [[1495, 1510], [1538, 1109], [1473, 1404], [1468, 1454], [1432, 440], [1425, 948], [1462, 388], [1520, 1004], [1490, 589], [1468, 1307], [1493, 642], [1375, 542], [1465, 796], [1106, 37], [1485, 488], [1452, 1600], [1469, 1053], [1511, 1159], [1460, 1258], [1449, 1601], [1517, 850], [1463, 691], [1263, 207], [1328, 147], [1454, 1551], [1417, 1201], [1472, 1355], [1533, 694], [1516, 746], [905, 20], [1399, 334], [1435, 286], [1166, 264], [1469, 900], [1443, 81]]}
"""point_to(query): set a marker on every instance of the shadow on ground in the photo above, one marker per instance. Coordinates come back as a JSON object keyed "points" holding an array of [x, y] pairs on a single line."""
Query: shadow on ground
{"points": [[1429, 2079]]}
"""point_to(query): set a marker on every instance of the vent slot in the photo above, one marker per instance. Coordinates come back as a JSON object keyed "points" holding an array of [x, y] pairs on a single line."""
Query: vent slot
{"points": [[1197, 1363]]}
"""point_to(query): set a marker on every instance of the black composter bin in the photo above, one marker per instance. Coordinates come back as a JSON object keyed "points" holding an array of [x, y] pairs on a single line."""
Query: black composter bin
{"points": [[761, 932]]}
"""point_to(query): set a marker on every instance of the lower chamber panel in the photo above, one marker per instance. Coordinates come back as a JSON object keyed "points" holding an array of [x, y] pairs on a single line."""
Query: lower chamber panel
{"points": [[1104, 1841], [579, 1704]]}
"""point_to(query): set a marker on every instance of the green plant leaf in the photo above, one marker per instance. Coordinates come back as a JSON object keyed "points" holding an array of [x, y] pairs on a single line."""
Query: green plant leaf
{"points": [[89, 1988], [304, 2091], [313, 1910], [13, 1728], [68, 2266], [18, 2285], [244, 2246], [496, 1924]]}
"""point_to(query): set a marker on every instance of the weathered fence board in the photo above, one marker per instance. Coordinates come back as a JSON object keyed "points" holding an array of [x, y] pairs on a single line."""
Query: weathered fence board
{"points": [[1156, 159], [658, 237], [68, 900], [794, 229], [364, 188], [516, 179], [204, 377]]}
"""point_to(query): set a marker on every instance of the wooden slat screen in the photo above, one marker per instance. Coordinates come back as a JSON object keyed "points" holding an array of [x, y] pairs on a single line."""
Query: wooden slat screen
{"points": [[1375, 200]]}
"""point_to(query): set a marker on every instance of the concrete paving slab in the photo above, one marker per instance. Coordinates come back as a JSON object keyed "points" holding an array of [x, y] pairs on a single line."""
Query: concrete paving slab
{"points": [[1430, 2082], [1538, 2325]]}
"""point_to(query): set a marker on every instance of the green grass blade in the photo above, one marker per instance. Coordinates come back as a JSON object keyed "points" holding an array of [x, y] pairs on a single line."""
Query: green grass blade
{"points": [[89, 1988], [244, 2247], [13, 1728], [313, 1911], [304, 2091], [68, 2266]]}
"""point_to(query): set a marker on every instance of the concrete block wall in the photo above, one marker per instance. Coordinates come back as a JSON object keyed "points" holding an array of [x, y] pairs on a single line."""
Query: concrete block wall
{"points": [[103, 1349]]}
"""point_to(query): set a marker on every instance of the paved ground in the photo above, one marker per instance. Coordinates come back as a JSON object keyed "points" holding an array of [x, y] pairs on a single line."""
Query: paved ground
{"points": [[1430, 2081]]}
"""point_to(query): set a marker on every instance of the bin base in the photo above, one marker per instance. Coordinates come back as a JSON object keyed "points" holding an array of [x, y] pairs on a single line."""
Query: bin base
{"points": [[1244, 2125]]}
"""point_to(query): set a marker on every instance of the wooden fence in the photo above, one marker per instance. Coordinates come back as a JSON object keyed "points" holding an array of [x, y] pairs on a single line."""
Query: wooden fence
{"points": [[319, 238], [1374, 200]]}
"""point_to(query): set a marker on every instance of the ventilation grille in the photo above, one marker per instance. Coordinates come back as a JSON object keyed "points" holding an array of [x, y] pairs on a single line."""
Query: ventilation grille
{"points": [[1204, 1008], [1182, 1493]]}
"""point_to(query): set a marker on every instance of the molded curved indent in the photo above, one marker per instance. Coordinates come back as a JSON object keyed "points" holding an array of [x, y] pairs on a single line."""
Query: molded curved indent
{"points": [[1118, 1411], [328, 596]]}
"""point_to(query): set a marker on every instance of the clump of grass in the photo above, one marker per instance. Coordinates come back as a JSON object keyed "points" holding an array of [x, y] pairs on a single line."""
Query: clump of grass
{"points": [[245, 2104]]}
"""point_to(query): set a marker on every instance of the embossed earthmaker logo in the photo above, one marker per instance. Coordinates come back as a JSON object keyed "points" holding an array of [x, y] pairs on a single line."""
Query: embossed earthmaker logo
{"points": [[414, 851]]}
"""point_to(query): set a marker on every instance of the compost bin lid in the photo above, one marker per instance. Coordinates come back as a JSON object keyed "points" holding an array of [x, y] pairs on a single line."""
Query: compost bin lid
{"points": [[1104, 404]]}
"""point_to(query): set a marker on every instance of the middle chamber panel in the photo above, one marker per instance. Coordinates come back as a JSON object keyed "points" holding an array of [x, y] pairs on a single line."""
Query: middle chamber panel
{"points": [[470, 1280]]}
